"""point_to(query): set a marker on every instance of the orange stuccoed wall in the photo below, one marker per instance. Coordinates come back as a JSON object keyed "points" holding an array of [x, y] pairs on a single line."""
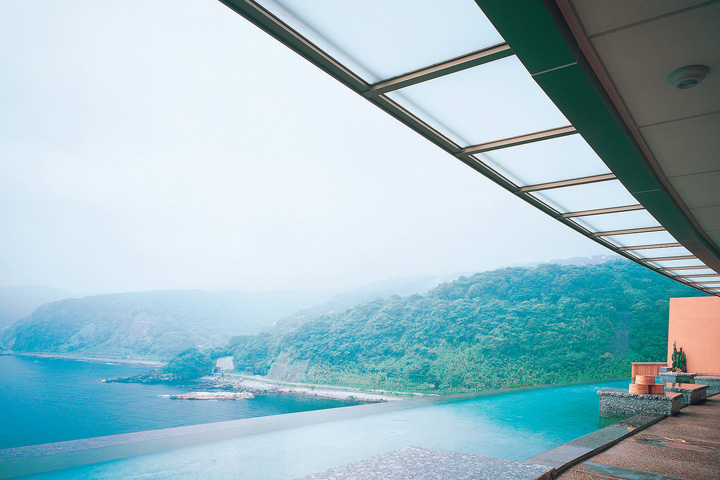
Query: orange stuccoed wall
{"points": [[695, 326]]}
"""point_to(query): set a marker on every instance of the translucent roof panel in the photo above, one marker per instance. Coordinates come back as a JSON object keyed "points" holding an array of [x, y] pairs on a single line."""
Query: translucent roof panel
{"points": [[678, 264], [617, 221], [660, 252], [489, 102], [700, 271], [546, 161], [703, 279], [380, 39], [589, 196], [635, 239]]}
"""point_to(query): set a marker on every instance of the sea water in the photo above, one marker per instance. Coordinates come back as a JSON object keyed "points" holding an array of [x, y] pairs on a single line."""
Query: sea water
{"points": [[45, 400]]}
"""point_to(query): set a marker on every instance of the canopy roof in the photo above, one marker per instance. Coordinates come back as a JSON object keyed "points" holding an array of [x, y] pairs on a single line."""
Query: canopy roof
{"points": [[565, 104]]}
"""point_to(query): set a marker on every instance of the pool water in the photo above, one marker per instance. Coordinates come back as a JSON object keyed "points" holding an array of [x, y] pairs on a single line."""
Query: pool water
{"points": [[513, 426]]}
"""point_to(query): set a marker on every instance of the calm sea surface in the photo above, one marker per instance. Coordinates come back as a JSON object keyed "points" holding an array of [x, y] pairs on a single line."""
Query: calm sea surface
{"points": [[49, 400]]}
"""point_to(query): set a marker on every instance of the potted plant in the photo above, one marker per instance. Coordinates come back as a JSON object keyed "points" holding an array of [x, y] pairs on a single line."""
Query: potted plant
{"points": [[679, 359]]}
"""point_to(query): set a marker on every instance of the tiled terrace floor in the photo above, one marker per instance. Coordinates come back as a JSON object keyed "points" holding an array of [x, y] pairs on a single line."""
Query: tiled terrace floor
{"points": [[683, 447]]}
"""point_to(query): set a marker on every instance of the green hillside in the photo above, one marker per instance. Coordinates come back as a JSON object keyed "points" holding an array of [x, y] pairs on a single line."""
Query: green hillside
{"points": [[515, 326], [156, 325], [18, 302]]}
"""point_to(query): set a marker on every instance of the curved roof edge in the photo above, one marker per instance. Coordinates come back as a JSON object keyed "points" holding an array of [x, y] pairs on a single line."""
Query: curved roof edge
{"points": [[544, 42]]}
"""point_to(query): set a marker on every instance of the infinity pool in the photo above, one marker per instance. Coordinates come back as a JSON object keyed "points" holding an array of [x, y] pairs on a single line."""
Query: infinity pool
{"points": [[513, 426]]}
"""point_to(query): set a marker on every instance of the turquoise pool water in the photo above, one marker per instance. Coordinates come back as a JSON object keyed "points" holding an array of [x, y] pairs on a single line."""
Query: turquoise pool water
{"points": [[513, 426]]}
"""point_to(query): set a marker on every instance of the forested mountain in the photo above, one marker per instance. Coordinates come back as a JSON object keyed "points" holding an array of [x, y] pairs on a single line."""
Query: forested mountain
{"points": [[18, 302], [548, 324], [158, 324], [344, 300]]}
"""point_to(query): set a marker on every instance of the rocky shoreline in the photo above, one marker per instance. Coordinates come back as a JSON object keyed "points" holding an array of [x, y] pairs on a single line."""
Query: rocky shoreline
{"points": [[232, 385], [258, 387], [214, 396]]}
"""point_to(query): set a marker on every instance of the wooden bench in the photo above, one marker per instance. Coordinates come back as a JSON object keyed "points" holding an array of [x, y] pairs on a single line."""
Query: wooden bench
{"points": [[712, 382], [692, 393]]}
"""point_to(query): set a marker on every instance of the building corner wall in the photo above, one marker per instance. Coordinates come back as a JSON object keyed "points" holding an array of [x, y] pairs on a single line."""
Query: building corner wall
{"points": [[695, 326]]}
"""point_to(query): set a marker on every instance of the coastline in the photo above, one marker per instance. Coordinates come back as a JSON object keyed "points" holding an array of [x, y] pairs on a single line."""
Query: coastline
{"points": [[80, 358], [260, 387], [239, 382]]}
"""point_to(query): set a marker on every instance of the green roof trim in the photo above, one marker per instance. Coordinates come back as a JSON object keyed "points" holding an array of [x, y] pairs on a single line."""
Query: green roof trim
{"points": [[539, 36]]}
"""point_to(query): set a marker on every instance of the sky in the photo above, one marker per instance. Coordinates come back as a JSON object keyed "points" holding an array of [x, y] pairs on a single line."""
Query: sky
{"points": [[173, 145]]}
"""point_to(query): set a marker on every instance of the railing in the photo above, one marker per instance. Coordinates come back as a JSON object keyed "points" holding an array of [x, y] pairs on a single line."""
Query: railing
{"points": [[647, 368]]}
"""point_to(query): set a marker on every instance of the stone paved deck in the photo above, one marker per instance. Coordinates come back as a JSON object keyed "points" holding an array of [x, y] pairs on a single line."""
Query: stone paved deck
{"points": [[418, 463], [686, 446]]}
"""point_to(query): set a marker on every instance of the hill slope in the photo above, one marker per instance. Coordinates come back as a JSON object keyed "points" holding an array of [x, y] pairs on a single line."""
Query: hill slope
{"points": [[157, 324], [549, 324], [18, 302]]}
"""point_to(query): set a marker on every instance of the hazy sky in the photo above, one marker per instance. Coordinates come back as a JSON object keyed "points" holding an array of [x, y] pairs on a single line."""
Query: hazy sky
{"points": [[149, 144]]}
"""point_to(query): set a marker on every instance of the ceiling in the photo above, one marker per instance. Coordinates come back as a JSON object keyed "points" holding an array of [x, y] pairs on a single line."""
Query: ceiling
{"points": [[633, 47], [566, 105]]}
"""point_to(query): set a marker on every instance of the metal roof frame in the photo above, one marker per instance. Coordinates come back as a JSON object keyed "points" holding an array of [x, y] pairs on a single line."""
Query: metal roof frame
{"points": [[536, 33]]}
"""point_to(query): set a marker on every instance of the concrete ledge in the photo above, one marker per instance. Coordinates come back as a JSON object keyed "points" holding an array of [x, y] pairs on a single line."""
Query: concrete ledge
{"points": [[576, 451], [618, 402], [19, 461], [712, 382], [419, 463]]}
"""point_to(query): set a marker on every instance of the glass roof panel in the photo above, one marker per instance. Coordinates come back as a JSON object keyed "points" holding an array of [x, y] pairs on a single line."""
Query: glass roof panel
{"points": [[617, 221], [380, 39], [699, 271], [635, 239], [546, 161], [703, 279], [660, 252], [589, 196], [678, 264], [489, 102]]}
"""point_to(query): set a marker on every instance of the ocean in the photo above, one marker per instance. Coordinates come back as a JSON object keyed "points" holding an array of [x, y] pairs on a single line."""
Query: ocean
{"points": [[45, 400]]}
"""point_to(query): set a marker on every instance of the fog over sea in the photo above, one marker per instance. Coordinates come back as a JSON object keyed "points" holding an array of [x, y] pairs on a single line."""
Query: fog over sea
{"points": [[46, 400]]}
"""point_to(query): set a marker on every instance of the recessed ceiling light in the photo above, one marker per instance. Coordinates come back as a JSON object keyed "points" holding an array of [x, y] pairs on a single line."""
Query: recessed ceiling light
{"points": [[689, 76]]}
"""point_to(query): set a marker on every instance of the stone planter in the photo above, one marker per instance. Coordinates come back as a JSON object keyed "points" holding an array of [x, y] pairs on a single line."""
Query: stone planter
{"points": [[679, 377], [617, 402]]}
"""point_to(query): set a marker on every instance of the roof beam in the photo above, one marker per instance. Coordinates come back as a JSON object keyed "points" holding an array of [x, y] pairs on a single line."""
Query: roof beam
{"points": [[689, 267], [703, 275], [568, 183], [603, 211], [645, 247], [276, 28], [439, 69], [668, 259], [520, 140], [628, 231]]}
